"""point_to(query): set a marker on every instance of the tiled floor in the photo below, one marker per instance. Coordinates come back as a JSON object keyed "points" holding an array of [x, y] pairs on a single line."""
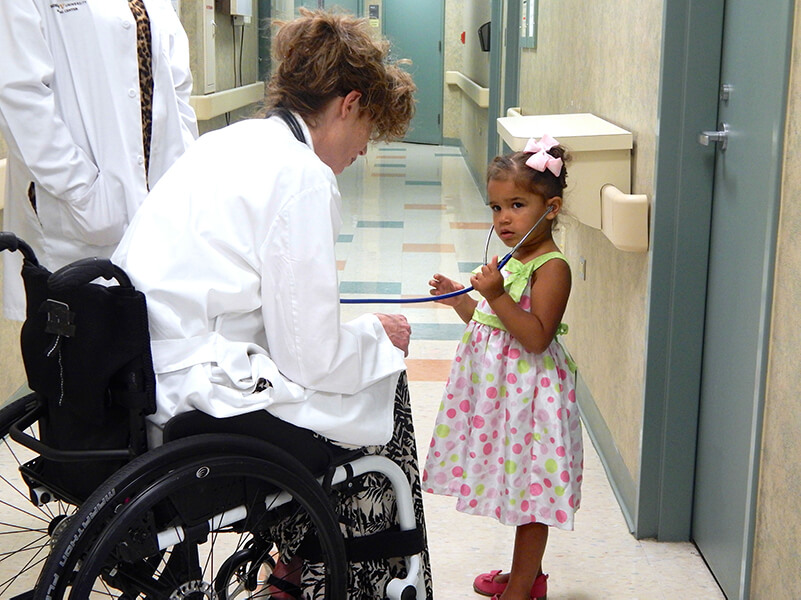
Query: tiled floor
{"points": [[411, 211]]}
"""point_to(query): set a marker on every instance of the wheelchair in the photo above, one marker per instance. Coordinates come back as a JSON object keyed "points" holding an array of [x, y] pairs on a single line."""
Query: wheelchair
{"points": [[87, 510]]}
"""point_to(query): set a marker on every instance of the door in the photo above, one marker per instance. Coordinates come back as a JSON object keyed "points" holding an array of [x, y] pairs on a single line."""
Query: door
{"points": [[415, 29], [753, 76]]}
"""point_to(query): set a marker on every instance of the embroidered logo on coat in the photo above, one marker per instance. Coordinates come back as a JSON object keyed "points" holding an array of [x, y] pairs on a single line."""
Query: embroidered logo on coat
{"points": [[65, 7]]}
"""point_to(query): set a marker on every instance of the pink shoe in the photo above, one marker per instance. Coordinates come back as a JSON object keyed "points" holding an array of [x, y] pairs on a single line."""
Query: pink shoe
{"points": [[486, 585]]}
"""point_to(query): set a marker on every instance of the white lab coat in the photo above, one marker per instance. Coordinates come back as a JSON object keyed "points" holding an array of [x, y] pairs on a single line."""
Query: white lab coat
{"points": [[70, 112], [234, 249]]}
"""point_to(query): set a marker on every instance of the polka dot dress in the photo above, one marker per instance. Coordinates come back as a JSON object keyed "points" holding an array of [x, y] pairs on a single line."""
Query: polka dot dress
{"points": [[507, 439]]}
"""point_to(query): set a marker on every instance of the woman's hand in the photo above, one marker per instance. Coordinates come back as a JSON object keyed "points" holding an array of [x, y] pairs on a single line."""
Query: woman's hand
{"points": [[444, 285], [398, 330], [488, 281]]}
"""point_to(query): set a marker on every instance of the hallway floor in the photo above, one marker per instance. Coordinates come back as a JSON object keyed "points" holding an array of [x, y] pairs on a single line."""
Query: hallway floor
{"points": [[413, 210]]}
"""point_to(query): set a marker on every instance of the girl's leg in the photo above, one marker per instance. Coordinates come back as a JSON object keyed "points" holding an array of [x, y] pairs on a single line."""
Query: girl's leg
{"points": [[530, 541]]}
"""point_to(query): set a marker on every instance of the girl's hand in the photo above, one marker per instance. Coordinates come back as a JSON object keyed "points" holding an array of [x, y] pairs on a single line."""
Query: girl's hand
{"points": [[488, 281], [444, 285]]}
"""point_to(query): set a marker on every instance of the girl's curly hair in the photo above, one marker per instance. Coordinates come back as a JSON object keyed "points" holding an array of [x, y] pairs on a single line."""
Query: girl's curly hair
{"points": [[325, 55], [513, 166]]}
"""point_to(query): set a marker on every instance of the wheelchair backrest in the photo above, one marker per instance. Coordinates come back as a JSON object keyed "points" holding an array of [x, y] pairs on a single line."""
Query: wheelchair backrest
{"points": [[86, 352]]}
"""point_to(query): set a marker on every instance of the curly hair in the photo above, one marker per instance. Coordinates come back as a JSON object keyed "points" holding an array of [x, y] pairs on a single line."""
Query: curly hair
{"points": [[324, 55], [513, 166]]}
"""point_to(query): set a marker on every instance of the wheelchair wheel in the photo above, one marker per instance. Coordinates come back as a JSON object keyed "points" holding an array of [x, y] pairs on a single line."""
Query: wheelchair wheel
{"points": [[200, 518], [27, 530]]}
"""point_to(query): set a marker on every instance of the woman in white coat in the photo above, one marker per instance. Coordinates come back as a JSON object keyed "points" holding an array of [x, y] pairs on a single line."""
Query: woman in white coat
{"points": [[94, 106], [234, 249]]}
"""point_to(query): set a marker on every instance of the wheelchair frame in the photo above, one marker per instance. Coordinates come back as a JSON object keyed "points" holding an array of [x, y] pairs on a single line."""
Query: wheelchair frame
{"points": [[210, 481]]}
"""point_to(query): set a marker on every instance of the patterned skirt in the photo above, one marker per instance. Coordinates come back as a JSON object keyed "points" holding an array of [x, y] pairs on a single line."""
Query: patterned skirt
{"points": [[369, 507]]}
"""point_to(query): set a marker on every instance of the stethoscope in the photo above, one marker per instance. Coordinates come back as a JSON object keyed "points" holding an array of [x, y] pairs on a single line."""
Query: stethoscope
{"points": [[501, 264], [297, 131]]}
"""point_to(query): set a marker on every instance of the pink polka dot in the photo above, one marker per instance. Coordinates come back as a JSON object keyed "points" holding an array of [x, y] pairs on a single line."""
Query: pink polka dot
{"points": [[478, 422], [511, 378], [547, 483], [451, 413], [572, 501], [492, 393], [553, 500], [464, 406], [560, 451], [425, 475], [441, 478], [524, 506], [465, 490], [536, 489], [487, 449], [565, 476], [517, 448], [473, 503], [457, 471], [571, 395], [514, 353], [498, 512], [545, 382], [483, 437], [561, 516]]}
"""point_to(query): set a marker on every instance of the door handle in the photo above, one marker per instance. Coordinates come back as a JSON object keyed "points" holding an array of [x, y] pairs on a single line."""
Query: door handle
{"points": [[721, 137]]}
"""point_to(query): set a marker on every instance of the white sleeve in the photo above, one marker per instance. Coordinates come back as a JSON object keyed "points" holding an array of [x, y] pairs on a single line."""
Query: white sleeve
{"points": [[300, 299], [28, 108], [181, 76]]}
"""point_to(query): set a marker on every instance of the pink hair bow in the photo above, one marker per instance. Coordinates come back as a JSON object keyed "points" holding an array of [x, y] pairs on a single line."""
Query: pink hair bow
{"points": [[540, 159]]}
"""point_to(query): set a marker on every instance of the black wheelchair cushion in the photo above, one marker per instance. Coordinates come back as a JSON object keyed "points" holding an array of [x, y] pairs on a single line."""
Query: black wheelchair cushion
{"points": [[310, 449]]}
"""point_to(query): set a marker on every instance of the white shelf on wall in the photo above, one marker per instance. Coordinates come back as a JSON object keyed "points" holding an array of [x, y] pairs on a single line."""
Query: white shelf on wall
{"points": [[215, 104]]}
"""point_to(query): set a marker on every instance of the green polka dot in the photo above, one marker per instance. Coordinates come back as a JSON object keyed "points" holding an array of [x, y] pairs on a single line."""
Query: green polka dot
{"points": [[537, 437], [510, 467], [502, 392], [474, 378], [454, 457], [548, 362], [550, 465], [490, 377], [512, 501], [523, 367], [526, 400], [442, 431], [466, 337], [523, 493], [480, 489], [560, 491]]}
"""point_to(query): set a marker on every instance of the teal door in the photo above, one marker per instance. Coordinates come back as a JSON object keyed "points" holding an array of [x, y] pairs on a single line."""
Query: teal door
{"points": [[753, 78], [415, 29]]}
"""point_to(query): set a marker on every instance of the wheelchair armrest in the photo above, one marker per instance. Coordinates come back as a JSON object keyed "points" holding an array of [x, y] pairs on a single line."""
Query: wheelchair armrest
{"points": [[9, 241], [84, 271], [36, 412]]}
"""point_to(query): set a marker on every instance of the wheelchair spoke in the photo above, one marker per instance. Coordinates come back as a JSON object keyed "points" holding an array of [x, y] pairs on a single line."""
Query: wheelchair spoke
{"points": [[35, 561]]}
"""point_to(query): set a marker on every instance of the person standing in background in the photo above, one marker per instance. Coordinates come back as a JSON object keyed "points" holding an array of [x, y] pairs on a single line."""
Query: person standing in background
{"points": [[94, 106]]}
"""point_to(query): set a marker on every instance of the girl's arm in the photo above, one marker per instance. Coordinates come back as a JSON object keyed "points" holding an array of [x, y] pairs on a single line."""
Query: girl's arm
{"points": [[550, 289], [463, 304]]}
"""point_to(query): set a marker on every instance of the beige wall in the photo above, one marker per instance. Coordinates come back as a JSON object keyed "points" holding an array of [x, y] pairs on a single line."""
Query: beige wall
{"points": [[603, 58], [463, 119], [452, 95], [777, 548]]}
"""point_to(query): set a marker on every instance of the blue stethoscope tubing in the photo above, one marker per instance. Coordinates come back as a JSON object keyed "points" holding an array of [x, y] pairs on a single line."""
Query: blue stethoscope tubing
{"points": [[501, 264]]}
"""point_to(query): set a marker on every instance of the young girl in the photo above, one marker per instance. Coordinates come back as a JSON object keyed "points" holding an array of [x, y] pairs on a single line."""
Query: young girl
{"points": [[507, 440]]}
